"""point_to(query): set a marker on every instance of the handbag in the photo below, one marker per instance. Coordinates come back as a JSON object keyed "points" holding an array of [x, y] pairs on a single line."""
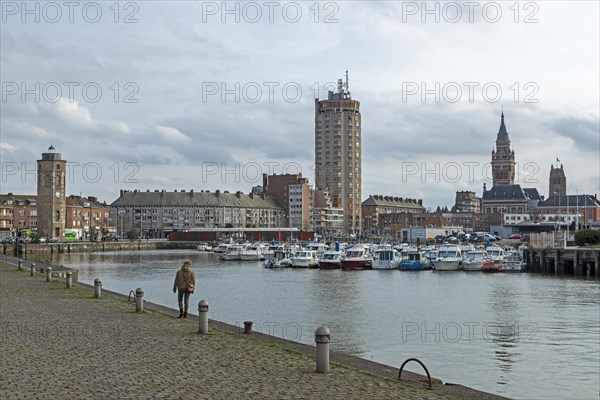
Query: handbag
{"points": [[190, 287]]}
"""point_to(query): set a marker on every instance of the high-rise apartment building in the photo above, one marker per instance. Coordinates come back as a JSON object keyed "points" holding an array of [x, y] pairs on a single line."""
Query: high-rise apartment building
{"points": [[338, 152]]}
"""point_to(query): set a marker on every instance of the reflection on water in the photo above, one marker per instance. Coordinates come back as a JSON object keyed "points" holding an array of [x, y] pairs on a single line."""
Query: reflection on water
{"points": [[519, 335]]}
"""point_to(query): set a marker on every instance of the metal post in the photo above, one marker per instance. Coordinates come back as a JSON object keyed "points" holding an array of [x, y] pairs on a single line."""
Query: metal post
{"points": [[322, 338], [69, 279], [247, 326], [203, 317], [20, 265], [97, 288], [33, 269], [48, 274], [139, 300]]}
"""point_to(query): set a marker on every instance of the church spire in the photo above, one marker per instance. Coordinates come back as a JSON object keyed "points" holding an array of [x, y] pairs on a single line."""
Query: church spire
{"points": [[502, 132]]}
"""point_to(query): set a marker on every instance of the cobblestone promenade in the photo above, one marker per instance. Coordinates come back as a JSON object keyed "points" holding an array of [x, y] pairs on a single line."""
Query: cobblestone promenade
{"points": [[58, 343]]}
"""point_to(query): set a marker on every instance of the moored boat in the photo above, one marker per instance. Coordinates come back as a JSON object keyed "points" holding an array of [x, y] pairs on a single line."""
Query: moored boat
{"points": [[357, 257], [232, 253], [386, 257], [415, 261], [449, 258], [513, 262], [305, 259], [474, 260], [331, 259]]}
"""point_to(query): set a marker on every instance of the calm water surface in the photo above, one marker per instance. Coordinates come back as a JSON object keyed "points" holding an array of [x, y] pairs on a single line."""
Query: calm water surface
{"points": [[519, 335]]}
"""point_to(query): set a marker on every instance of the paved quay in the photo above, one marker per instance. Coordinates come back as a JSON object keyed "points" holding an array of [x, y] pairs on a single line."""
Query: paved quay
{"points": [[58, 343]]}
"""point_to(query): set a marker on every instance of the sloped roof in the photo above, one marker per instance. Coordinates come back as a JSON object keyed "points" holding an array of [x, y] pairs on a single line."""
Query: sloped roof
{"points": [[502, 132], [391, 201], [532, 194], [194, 199], [505, 192], [570, 201]]}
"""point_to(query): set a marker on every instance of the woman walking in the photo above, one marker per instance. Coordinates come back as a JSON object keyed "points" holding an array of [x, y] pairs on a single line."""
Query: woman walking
{"points": [[185, 283]]}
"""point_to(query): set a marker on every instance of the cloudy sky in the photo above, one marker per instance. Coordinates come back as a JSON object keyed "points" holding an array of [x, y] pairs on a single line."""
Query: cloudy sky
{"points": [[209, 95]]}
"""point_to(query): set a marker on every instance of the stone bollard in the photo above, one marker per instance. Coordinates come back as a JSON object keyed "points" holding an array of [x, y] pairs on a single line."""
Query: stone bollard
{"points": [[139, 300], [203, 317], [20, 265], [97, 288], [69, 279], [322, 337], [33, 269], [247, 326], [49, 274]]}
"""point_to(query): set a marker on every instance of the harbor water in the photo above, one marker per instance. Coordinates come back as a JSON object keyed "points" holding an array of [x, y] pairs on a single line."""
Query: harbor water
{"points": [[523, 336]]}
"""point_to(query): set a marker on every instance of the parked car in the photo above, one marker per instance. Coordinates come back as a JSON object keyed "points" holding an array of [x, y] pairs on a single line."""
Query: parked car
{"points": [[52, 240], [515, 236]]}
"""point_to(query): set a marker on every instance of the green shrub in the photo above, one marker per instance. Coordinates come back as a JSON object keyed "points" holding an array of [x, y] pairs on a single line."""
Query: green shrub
{"points": [[589, 236]]}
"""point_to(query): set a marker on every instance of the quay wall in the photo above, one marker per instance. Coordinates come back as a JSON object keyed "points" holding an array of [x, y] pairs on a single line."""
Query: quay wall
{"points": [[22, 250], [575, 261]]}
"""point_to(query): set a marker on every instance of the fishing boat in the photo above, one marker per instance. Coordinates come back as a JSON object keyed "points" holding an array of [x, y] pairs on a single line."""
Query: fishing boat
{"points": [[449, 258], [357, 257]]}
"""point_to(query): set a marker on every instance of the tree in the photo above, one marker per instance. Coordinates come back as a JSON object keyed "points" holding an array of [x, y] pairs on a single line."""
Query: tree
{"points": [[587, 236]]}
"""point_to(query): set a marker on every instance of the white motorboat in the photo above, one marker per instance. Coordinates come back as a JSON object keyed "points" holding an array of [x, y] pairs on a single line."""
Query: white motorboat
{"points": [[281, 258], [357, 257], [305, 259], [232, 253], [449, 258], [204, 247], [386, 257], [474, 260], [331, 259], [253, 252]]}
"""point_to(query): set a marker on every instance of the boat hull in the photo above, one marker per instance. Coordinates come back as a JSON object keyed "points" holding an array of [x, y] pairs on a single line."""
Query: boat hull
{"points": [[446, 265], [357, 264], [330, 264]]}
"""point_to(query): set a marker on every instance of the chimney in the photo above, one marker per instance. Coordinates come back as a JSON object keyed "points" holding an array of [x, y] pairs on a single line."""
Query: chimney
{"points": [[251, 195], [175, 190], [238, 194], [265, 182], [420, 202], [120, 195], [192, 193], [182, 190], [218, 193]]}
